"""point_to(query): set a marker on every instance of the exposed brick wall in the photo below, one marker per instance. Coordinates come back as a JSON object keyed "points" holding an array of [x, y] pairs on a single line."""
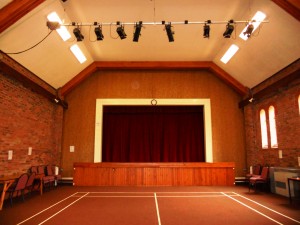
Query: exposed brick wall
{"points": [[287, 116], [27, 120]]}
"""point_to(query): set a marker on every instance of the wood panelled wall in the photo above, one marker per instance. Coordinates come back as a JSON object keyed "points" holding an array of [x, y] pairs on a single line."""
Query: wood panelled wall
{"points": [[227, 118], [154, 174]]}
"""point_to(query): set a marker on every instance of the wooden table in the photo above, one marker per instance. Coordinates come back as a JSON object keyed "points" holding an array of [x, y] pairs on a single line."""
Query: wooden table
{"points": [[7, 181], [40, 178], [294, 179]]}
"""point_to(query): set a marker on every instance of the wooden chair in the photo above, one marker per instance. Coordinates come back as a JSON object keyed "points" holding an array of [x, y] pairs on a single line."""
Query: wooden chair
{"points": [[19, 186], [263, 178]]}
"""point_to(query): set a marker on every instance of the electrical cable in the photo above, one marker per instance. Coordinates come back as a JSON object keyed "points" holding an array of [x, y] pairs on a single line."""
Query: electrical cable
{"points": [[15, 53]]}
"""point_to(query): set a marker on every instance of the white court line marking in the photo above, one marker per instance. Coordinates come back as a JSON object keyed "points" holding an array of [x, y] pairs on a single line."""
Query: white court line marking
{"points": [[253, 209], [167, 196], [268, 208], [47, 208], [157, 210], [63, 209], [167, 192]]}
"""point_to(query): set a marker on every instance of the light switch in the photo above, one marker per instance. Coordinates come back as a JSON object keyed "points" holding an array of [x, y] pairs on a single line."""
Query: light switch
{"points": [[72, 148], [10, 154], [29, 150]]}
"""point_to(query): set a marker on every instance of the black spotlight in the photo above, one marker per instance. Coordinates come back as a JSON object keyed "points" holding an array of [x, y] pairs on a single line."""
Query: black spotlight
{"points": [[228, 31], [137, 32], [206, 29], [99, 34], [78, 34], [249, 30], [121, 32], [169, 32]]}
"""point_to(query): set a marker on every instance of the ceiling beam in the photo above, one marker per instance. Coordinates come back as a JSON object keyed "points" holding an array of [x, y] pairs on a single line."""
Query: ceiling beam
{"points": [[98, 66], [15, 10], [292, 7], [28, 79], [273, 84]]}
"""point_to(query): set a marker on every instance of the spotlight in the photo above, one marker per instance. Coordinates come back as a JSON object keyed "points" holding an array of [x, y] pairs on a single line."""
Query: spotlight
{"points": [[78, 34], [137, 32], [206, 29], [229, 30], [249, 30], [121, 32], [99, 34], [169, 32]]}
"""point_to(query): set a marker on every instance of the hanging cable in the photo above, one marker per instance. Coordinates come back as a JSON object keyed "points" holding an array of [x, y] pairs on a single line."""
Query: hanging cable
{"points": [[15, 53]]}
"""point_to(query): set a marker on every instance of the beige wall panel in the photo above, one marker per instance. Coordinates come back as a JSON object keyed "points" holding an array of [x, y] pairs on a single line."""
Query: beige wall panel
{"points": [[227, 118]]}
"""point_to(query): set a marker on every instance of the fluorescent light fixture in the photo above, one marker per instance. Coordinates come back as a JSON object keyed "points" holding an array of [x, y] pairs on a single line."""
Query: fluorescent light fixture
{"points": [[62, 31], [78, 53], [259, 17], [230, 52]]}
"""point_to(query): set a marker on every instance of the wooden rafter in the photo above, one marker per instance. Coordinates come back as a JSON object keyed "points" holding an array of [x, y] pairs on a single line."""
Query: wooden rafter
{"points": [[15, 10], [292, 7]]}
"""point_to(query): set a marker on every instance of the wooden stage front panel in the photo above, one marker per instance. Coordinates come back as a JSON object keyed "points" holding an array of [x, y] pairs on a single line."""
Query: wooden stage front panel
{"points": [[154, 174]]}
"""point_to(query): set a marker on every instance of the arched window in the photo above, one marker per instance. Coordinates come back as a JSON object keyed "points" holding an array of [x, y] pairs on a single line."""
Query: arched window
{"points": [[272, 124], [263, 128]]}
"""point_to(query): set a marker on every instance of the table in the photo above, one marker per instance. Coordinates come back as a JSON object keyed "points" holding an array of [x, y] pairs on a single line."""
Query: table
{"points": [[294, 179], [39, 177], [7, 181]]}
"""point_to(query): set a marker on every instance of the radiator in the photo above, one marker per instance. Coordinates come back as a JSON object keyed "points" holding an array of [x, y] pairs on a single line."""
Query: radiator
{"points": [[279, 183]]}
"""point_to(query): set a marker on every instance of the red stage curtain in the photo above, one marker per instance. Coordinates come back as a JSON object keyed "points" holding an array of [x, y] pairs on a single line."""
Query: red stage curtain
{"points": [[153, 134]]}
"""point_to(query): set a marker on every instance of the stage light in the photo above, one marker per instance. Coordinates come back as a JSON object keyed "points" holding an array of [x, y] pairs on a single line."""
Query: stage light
{"points": [[121, 32], [257, 19], [137, 32], [206, 29], [99, 34], [169, 31], [78, 34], [229, 29], [249, 30]]}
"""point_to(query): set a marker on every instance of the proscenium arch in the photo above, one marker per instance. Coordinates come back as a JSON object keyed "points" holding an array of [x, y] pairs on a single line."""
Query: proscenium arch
{"points": [[100, 103]]}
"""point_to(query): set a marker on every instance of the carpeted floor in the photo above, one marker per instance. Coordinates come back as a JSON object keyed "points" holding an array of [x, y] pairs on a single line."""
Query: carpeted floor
{"points": [[151, 206]]}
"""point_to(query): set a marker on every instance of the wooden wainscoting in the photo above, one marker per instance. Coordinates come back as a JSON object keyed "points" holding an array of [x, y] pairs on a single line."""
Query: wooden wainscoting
{"points": [[154, 174]]}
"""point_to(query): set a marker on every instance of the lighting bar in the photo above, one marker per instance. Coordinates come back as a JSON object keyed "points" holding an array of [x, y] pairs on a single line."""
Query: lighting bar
{"points": [[230, 53], [186, 22], [257, 19], [62, 30], [78, 53]]}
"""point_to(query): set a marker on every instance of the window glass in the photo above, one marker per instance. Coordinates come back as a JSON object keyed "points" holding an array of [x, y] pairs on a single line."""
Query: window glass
{"points": [[272, 124], [299, 103], [263, 126]]}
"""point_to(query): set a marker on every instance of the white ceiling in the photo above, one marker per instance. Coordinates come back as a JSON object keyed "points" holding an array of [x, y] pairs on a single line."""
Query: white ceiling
{"points": [[273, 47]]}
